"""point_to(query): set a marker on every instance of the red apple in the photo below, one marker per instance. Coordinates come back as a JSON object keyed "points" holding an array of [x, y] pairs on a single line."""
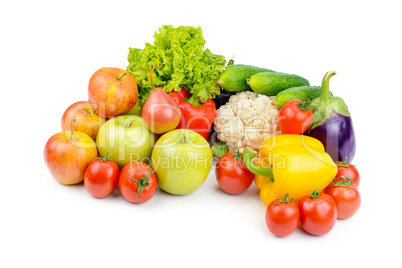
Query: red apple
{"points": [[86, 120], [112, 92], [67, 156]]}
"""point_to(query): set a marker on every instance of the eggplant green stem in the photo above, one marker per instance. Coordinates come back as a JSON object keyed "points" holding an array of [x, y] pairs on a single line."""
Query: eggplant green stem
{"points": [[262, 171], [325, 93]]}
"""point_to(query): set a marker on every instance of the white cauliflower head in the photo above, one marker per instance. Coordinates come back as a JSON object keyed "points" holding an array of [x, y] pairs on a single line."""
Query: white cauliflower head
{"points": [[246, 120]]}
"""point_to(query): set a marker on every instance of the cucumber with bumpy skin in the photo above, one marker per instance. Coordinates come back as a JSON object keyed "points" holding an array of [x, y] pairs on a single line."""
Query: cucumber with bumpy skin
{"points": [[304, 93], [234, 77], [271, 83]]}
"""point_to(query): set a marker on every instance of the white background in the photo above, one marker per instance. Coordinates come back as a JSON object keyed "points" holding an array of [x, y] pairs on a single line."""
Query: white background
{"points": [[50, 49]]}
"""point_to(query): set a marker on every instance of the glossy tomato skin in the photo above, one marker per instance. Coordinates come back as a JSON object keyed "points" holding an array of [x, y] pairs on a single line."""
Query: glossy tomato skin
{"points": [[349, 171], [232, 174], [317, 215], [347, 199], [292, 119], [130, 175], [282, 219], [101, 177]]}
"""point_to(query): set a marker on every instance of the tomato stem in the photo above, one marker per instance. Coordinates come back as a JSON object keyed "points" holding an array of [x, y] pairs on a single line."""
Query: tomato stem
{"points": [[344, 182], [142, 182], [237, 156], [344, 163], [286, 199], [105, 157], [315, 194], [303, 105]]}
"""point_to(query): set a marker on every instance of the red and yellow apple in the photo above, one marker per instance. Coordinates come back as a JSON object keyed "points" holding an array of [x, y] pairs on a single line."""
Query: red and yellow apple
{"points": [[86, 120], [112, 92], [68, 155]]}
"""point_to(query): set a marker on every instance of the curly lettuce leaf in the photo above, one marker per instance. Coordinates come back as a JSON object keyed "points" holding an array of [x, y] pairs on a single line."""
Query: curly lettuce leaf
{"points": [[181, 61]]}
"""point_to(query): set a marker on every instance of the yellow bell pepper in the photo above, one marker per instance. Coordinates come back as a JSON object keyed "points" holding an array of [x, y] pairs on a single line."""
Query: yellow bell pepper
{"points": [[290, 164]]}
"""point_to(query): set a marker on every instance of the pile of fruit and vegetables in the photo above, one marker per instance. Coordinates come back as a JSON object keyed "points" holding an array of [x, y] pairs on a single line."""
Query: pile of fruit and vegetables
{"points": [[161, 121]]}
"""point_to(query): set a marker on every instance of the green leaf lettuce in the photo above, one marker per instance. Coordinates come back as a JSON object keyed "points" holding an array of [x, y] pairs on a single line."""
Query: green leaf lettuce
{"points": [[180, 60]]}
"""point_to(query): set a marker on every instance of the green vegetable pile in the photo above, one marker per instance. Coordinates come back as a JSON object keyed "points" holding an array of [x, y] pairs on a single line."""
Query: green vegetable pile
{"points": [[180, 60]]}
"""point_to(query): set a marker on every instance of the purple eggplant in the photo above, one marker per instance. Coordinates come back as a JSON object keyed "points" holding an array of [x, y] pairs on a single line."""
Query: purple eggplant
{"points": [[332, 124]]}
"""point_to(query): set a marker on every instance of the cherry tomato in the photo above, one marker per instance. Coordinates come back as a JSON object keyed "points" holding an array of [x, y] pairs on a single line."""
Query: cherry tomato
{"points": [[101, 176], [137, 182], [282, 216], [295, 117], [317, 213], [232, 174], [348, 170], [346, 195]]}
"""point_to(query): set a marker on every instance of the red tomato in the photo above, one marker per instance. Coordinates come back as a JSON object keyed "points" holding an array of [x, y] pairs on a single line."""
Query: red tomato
{"points": [[137, 182], [232, 174], [282, 216], [346, 196], [101, 177], [317, 213], [295, 117], [348, 170]]}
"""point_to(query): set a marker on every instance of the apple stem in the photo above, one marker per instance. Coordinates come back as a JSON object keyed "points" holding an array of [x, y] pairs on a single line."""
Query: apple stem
{"points": [[72, 130], [129, 124], [150, 77], [122, 76], [184, 138]]}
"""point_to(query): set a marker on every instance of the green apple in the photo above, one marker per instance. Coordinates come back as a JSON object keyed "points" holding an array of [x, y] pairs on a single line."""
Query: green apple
{"points": [[136, 110], [126, 139], [181, 160]]}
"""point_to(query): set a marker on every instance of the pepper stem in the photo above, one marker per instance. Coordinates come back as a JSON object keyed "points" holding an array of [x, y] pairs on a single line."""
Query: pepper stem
{"points": [[262, 171]]}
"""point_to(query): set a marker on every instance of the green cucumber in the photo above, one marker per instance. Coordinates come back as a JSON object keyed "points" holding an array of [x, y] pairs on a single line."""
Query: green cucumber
{"points": [[271, 83], [234, 77], [305, 93]]}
